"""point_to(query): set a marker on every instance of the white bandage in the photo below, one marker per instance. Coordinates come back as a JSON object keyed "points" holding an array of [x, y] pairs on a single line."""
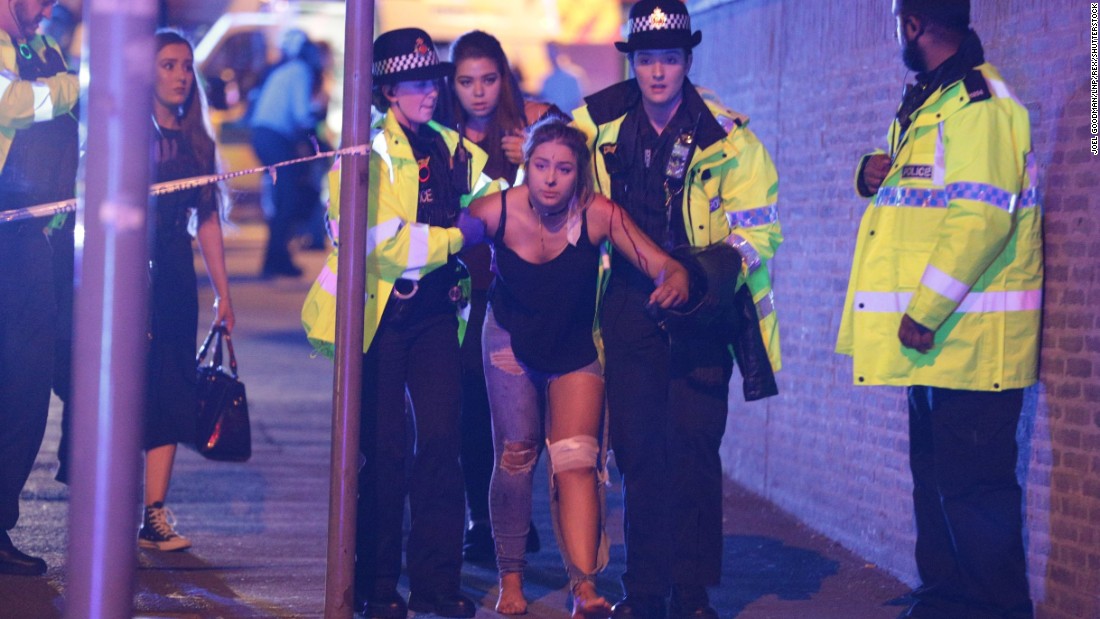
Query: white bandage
{"points": [[575, 452]]}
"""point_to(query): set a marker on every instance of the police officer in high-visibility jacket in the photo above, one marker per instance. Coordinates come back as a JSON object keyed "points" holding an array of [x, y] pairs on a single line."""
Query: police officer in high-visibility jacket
{"points": [[422, 175], [691, 174], [38, 157], [945, 298]]}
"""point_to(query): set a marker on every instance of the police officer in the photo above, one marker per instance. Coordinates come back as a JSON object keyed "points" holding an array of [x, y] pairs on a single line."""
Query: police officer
{"points": [[38, 157], [690, 173], [945, 298], [422, 173]]}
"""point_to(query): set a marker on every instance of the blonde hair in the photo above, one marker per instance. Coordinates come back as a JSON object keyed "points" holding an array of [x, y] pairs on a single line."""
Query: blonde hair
{"points": [[555, 129]]}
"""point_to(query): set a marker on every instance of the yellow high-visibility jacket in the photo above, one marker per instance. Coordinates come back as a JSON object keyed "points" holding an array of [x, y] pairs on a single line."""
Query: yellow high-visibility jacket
{"points": [[730, 188], [397, 246], [953, 238], [25, 102]]}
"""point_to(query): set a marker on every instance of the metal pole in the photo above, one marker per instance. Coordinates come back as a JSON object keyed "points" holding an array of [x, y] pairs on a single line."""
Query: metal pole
{"points": [[350, 285], [109, 354]]}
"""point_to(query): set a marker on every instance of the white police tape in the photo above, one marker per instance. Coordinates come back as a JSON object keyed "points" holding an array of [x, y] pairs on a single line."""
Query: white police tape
{"points": [[183, 184]]}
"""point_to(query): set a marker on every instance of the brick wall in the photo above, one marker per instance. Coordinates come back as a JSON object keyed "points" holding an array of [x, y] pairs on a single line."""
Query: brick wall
{"points": [[820, 81]]}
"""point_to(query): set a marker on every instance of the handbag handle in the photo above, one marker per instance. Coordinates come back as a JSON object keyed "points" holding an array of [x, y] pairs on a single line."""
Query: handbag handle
{"points": [[217, 333]]}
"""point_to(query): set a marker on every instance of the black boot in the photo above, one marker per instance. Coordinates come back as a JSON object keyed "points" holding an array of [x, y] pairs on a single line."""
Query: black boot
{"points": [[17, 563]]}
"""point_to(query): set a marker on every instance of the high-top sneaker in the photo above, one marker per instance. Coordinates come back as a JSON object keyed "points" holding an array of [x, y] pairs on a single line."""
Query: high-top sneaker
{"points": [[158, 532]]}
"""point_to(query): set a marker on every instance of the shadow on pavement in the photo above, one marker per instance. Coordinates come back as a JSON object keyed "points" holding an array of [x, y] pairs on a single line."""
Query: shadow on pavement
{"points": [[763, 566], [182, 584], [39, 598]]}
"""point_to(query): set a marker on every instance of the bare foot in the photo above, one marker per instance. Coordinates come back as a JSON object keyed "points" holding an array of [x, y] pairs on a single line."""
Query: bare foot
{"points": [[587, 604], [511, 600]]}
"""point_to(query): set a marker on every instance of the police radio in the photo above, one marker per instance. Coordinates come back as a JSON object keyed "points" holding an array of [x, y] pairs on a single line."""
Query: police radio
{"points": [[680, 156], [462, 169]]}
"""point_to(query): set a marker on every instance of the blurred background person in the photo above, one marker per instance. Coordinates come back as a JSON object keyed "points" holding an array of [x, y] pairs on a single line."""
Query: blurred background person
{"points": [[283, 122], [65, 25], [182, 147], [313, 230], [562, 86], [490, 110]]}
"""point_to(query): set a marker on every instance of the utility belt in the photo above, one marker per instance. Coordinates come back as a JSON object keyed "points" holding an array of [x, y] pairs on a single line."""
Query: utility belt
{"points": [[443, 291]]}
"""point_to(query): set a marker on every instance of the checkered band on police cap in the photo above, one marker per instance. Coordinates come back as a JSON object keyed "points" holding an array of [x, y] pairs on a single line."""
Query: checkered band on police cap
{"points": [[659, 24], [406, 54], [659, 20], [406, 62]]}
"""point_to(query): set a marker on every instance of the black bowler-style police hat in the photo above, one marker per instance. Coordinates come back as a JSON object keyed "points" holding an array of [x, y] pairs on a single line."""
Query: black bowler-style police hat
{"points": [[406, 55], [659, 24]]}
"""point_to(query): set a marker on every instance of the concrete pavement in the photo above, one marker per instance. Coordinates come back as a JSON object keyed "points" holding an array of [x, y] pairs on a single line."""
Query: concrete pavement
{"points": [[259, 528]]}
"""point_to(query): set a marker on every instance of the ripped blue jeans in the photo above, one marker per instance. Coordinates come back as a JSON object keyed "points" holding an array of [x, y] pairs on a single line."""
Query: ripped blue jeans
{"points": [[518, 403]]}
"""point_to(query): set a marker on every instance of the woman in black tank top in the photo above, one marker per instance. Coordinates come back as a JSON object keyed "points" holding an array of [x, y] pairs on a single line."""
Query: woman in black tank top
{"points": [[540, 357], [490, 110]]}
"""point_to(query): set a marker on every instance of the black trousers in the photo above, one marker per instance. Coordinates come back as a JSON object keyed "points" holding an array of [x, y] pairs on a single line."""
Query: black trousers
{"points": [[967, 501], [293, 194], [478, 460], [421, 357], [666, 429], [27, 330], [63, 251]]}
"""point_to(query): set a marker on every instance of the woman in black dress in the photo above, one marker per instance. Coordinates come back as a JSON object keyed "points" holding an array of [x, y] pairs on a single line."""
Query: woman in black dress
{"points": [[182, 147]]}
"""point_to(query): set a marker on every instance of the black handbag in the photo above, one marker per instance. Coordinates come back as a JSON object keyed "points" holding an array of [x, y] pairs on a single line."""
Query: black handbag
{"points": [[223, 431]]}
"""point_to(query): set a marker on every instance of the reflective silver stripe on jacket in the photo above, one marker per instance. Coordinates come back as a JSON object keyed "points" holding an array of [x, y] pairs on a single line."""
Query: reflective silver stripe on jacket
{"points": [[914, 197], [43, 102], [943, 284], [974, 302], [765, 306], [748, 253]]}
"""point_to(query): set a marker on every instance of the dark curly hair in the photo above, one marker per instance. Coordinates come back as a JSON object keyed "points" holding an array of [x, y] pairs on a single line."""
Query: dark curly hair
{"points": [[953, 15]]}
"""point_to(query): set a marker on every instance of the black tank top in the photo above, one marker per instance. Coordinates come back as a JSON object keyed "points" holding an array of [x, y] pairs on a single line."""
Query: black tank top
{"points": [[547, 308]]}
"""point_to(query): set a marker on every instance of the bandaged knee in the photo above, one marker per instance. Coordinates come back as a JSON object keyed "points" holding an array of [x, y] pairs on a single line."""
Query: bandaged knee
{"points": [[575, 452]]}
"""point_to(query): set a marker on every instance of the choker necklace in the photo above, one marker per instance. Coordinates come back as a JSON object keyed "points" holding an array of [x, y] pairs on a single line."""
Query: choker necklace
{"points": [[539, 216], [542, 215], [25, 51]]}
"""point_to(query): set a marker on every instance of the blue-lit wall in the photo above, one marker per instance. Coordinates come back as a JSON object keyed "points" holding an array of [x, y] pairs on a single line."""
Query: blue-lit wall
{"points": [[820, 81]]}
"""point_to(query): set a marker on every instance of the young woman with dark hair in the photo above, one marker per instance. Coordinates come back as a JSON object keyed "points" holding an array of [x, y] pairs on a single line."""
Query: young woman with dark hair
{"points": [[182, 147], [540, 357], [488, 106]]}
